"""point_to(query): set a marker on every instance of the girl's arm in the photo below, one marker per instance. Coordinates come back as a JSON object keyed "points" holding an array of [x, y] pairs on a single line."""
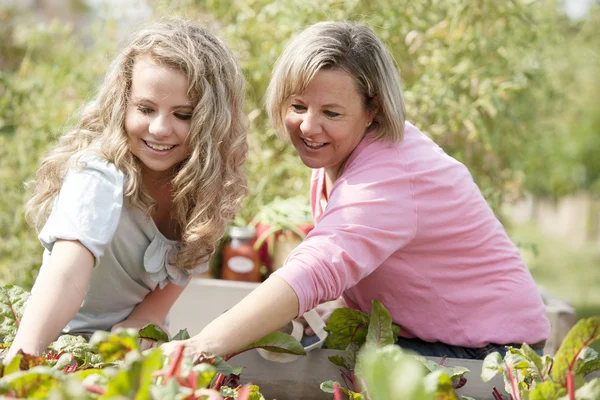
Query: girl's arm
{"points": [[266, 309], [153, 309], [57, 297]]}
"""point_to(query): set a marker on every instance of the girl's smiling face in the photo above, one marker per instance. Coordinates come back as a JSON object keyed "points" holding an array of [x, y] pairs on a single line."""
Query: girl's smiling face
{"points": [[327, 121], [158, 116]]}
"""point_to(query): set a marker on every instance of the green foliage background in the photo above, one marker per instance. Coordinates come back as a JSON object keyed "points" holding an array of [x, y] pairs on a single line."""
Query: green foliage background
{"points": [[510, 88]]}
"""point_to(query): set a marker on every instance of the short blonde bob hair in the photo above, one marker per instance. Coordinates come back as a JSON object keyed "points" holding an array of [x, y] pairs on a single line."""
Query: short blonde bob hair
{"points": [[209, 185], [352, 48]]}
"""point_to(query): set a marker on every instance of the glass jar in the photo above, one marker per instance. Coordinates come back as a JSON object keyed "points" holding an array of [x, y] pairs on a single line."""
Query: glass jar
{"points": [[240, 261]]}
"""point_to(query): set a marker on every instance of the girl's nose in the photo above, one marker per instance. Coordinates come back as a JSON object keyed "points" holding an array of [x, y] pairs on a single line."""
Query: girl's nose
{"points": [[160, 126]]}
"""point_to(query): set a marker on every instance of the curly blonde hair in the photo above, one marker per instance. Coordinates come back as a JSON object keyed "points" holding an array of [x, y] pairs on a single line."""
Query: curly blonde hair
{"points": [[350, 47], [209, 185]]}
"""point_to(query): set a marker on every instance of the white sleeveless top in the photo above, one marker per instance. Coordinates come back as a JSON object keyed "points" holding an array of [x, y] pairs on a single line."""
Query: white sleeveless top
{"points": [[132, 257]]}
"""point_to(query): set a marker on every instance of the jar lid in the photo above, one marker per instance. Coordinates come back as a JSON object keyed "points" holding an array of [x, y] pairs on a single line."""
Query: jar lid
{"points": [[242, 232]]}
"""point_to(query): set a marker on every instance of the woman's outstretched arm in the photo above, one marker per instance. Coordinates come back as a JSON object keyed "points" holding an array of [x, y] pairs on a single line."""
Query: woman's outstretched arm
{"points": [[266, 309]]}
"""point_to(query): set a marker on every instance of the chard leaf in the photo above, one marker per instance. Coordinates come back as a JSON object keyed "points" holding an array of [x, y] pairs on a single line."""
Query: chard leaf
{"points": [[346, 326], [255, 393], [224, 368], [589, 391], [205, 374], [115, 346], [85, 373], [546, 390], [152, 362], [492, 365], [134, 376], [327, 387], [14, 365], [153, 333], [64, 361], [171, 390], [380, 326], [338, 360], [348, 360], [588, 362], [439, 384], [84, 353], [390, 374], [277, 342], [580, 336], [452, 372], [12, 304], [35, 383], [183, 334]]}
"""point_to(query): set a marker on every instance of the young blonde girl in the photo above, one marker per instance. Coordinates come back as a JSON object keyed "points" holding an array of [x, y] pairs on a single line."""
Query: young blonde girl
{"points": [[132, 202]]}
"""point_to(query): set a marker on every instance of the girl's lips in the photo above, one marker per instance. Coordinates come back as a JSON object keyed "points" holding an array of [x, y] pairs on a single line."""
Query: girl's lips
{"points": [[157, 151]]}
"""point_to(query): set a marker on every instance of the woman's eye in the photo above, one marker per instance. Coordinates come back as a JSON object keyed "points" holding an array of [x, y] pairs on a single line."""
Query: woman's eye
{"points": [[144, 110], [298, 107], [331, 114], [183, 117]]}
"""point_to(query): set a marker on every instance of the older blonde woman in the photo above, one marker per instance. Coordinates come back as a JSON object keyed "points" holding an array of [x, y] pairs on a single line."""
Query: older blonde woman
{"points": [[396, 219]]}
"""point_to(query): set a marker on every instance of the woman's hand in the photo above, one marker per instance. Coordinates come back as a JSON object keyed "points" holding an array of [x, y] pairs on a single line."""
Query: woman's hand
{"points": [[192, 349], [324, 310]]}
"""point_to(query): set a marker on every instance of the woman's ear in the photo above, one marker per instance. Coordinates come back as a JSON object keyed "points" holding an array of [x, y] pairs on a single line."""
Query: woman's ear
{"points": [[374, 107]]}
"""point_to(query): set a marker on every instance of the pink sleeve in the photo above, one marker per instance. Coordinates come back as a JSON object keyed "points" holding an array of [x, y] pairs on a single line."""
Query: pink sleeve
{"points": [[370, 215]]}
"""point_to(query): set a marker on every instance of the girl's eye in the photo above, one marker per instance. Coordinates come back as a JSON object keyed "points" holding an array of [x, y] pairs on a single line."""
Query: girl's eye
{"points": [[298, 107], [183, 117], [144, 110], [331, 114]]}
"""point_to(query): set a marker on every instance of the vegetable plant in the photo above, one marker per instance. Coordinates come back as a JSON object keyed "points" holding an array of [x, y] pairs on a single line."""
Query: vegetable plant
{"points": [[113, 364], [373, 367], [528, 376]]}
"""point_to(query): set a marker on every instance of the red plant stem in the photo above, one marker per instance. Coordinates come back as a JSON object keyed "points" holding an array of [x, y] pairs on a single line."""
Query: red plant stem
{"points": [[585, 344], [355, 330], [513, 383], [219, 382], [174, 367], [15, 314], [337, 392], [244, 393], [496, 393], [347, 379], [443, 360], [355, 382], [571, 385], [95, 389]]}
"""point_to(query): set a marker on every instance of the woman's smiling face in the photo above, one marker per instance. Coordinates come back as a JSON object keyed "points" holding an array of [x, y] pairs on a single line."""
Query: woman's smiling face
{"points": [[158, 116], [327, 121]]}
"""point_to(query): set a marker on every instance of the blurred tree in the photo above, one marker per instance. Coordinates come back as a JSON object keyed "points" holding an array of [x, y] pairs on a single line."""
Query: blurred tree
{"points": [[46, 78], [511, 88], [474, 73]]}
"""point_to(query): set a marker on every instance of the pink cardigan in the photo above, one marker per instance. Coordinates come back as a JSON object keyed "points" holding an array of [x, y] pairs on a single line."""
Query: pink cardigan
{"points": [[406, 224]]}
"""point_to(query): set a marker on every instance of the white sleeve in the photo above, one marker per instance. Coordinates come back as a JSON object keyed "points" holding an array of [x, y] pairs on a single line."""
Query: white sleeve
{"points": [[88, 207]]}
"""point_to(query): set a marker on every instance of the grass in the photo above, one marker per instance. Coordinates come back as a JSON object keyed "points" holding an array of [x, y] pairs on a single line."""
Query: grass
{"points": [[566, 271]]}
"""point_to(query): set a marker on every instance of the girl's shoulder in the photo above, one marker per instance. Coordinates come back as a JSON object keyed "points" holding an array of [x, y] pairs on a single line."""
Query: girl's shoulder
{"points": [[93, 164]]}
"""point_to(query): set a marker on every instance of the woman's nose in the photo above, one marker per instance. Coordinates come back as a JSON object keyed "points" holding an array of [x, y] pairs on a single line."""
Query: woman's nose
{"points": [[310, 124], [160, 126]]}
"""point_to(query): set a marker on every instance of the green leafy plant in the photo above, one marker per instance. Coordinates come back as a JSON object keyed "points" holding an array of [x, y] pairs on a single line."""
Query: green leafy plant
{"points": [[113, 364], [528, 376], [373, 367]]}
